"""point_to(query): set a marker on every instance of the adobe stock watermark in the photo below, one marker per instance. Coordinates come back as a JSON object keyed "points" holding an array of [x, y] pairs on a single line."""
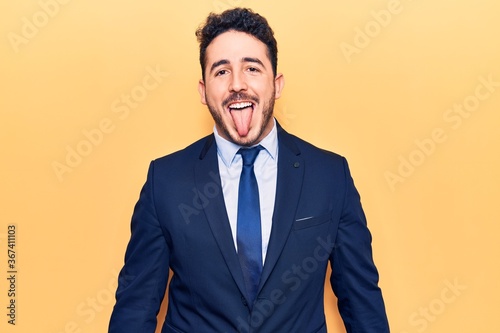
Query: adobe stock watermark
{"points": [[453, 118], [363, 36], [284, 116], [292, 279], [31, 25], [87, 310], [424, 316], [121, 108], [201, 199]]}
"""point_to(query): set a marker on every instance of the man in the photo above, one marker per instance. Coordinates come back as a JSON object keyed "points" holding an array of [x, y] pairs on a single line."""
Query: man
{"points": [[248, 239]]}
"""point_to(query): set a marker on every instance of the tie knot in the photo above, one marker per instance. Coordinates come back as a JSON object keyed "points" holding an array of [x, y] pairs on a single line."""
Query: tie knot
{"points": [[249, 154]]}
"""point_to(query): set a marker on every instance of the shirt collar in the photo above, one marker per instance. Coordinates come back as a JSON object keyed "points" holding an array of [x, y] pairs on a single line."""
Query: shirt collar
{"points": [[227, 150]]}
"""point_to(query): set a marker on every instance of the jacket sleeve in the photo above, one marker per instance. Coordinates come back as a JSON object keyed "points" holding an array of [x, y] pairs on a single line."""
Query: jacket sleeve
{"points": [[354, 276], [143, 278]]}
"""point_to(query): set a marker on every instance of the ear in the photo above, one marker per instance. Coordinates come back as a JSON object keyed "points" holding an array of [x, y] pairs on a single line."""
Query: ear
{"points": [[201, 90], [279, 84]]}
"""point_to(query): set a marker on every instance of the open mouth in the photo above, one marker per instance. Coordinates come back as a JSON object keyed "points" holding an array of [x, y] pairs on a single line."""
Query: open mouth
{"points": [[241, 112], [240, 105]]}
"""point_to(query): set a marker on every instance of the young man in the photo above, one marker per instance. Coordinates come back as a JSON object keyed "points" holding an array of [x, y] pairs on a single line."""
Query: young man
{"points": [[248, 239]]}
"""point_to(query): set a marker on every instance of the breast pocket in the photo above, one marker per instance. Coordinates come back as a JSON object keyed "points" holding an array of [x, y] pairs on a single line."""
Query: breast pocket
{"points": [[311, 221]]}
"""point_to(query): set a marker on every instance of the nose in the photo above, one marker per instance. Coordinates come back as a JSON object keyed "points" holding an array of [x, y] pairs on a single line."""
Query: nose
{"points": [[238, 82]]}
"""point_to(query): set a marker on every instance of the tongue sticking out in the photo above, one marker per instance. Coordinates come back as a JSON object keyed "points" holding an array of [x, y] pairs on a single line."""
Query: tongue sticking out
{"points": [[242, 119]]}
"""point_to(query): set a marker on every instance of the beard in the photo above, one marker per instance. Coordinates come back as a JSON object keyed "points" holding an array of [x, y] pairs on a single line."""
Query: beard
{"points": [[267, 116]]}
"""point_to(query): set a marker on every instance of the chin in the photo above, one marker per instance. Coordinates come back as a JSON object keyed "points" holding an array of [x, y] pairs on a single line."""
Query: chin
{"points": [[247, 141]]}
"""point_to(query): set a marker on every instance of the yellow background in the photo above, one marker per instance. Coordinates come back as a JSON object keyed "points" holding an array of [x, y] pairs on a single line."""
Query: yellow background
{"points": [[428, 176]]}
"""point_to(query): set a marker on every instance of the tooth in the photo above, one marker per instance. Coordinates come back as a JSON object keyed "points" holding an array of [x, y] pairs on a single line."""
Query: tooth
{"points": [[240, 105]]}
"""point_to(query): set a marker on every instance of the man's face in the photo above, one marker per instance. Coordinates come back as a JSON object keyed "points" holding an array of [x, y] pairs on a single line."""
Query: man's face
{"points": [[239, 87]]}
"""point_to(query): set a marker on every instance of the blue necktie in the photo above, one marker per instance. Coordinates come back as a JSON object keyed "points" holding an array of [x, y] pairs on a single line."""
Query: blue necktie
{"points": [[248, 236]]}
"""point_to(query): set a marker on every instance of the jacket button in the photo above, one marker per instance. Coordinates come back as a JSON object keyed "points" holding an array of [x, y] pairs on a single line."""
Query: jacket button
{"points": [[244, 301]]}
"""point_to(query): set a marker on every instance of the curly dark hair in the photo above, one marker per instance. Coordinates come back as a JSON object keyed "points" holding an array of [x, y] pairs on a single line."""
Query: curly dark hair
{"points": [[237, 19]]}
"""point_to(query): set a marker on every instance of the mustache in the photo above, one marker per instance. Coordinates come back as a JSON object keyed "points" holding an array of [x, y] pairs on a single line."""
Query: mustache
{"points": [[236, 97]]}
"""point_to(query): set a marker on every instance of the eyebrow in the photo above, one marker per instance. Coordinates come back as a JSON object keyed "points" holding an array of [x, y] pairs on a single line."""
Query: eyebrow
{"points": [[218, 63], [225, 62], [254, 60]]}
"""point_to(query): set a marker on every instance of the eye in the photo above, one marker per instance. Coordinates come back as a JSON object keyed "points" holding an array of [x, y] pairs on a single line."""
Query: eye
{"points": [[253, 69], [221, 72]]}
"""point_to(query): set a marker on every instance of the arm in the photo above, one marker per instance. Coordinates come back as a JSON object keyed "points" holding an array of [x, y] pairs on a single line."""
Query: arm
{"points": [[143, 278], [354, 276]]}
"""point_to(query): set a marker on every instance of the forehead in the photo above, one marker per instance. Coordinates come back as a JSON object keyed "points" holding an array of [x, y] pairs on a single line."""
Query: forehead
{"points": [[234, 45]]}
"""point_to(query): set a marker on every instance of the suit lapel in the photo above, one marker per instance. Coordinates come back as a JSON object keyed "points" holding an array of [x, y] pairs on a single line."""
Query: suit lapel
{"points": [[289, 184], [207, 174]]}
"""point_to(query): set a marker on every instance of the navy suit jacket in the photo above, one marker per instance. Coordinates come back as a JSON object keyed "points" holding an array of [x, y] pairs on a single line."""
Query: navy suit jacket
{"points": [[180, 223]]}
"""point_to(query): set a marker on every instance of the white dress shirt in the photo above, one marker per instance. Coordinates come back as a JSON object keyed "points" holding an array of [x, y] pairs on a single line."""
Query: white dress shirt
{"points": [[266, 171]]}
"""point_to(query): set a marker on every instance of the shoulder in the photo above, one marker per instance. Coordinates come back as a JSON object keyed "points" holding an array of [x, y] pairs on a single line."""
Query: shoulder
{"points": [[324, 165], [306, 149], [189, 154]]}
